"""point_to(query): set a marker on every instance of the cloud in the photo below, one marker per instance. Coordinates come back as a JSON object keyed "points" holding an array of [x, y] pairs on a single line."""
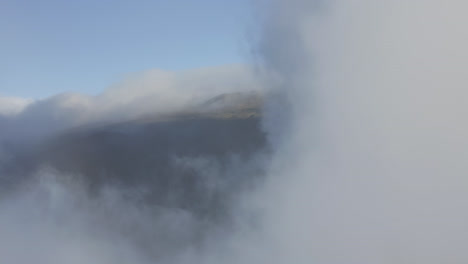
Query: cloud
{"points": [[150, 93], [370, 166], [12, 105]]}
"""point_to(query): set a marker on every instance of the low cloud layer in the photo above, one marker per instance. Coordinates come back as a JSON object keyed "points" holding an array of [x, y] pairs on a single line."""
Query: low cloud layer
{"points": [[154, 92]]}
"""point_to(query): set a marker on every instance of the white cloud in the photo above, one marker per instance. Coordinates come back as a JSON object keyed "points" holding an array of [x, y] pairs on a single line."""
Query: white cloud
{"points": [[153, 92], [13, 105]]}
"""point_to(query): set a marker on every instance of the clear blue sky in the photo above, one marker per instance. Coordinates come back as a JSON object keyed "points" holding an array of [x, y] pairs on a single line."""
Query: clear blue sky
{"points": [[51, 46]]}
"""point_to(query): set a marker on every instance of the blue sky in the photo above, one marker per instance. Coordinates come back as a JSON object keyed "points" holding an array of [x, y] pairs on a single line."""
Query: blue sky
{"points": [[52, 46]]}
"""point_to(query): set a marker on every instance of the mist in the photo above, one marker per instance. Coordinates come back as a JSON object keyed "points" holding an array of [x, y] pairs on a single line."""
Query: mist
{"points": [[371, 168], [357, 154]]}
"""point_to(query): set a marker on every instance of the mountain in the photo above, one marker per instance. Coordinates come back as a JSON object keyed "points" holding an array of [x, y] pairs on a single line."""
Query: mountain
{"points": [[197, 160]]}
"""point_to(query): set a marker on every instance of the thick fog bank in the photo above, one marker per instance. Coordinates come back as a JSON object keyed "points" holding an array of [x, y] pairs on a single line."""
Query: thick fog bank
{"points": [[372, 166]]}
